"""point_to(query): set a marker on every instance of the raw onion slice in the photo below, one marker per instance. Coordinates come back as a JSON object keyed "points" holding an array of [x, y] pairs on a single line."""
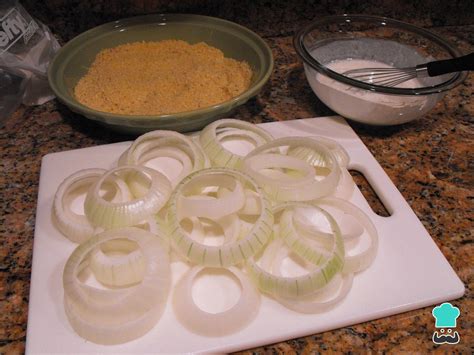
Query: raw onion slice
{"points": [[215, 324], [302, 172], [231, 227], [74, 226], [252, 201], [302, 246], [154, 224], [346, 185], [162, 143], [193, 227], [205, 206], [275, 285], [103, 213], [169, 152], [362, 260], [318, 160], [328, 263], [151, 225], [111, 334], [321, 300], [138, 183], [199, 229], [118, 263], [212, 136], [113, 316], [105, 305], [351, 230], [278, 190], [227, 254]]}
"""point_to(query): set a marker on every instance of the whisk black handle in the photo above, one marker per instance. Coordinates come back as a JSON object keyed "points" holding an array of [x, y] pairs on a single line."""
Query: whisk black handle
{"points": [[440, 67]]}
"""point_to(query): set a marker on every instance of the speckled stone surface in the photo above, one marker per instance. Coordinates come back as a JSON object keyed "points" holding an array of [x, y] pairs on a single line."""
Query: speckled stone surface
{"points": [[430, 161]]}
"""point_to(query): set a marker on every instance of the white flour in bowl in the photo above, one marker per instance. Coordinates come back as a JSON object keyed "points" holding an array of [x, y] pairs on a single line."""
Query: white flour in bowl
{"points": [[341, 66], [364, 105]]}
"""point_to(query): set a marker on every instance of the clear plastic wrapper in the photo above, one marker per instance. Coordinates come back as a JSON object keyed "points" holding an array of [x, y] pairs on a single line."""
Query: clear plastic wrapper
{"points": [[26, 49]]}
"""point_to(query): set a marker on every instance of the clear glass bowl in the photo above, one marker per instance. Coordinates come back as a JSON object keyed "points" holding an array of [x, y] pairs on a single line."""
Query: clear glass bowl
{"points": [[379, 39]]}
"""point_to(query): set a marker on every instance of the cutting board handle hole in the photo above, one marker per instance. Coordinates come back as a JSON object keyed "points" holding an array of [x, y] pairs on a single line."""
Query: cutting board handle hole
{"points": [[369, 193]]}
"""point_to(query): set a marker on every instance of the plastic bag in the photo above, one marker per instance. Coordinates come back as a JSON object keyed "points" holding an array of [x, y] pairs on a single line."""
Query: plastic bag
{"points": [[26, 48]]}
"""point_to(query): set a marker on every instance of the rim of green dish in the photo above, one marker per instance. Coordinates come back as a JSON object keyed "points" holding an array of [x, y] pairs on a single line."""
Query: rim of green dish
{"points": [[116, 118]]}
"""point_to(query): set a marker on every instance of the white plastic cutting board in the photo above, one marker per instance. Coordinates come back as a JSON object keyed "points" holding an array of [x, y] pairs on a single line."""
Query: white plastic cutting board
{"points": [[409, 271]]}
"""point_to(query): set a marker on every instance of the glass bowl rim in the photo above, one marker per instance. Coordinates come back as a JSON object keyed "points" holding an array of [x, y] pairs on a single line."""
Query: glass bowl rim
{"points": [[303, 53]]}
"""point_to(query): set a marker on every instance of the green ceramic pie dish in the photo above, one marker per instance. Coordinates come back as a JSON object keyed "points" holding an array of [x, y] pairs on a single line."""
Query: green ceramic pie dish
{"points": [[235, 41]]}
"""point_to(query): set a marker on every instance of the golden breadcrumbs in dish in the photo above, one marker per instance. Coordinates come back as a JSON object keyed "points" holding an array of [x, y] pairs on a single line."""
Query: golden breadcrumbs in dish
{"points": [[154, 78]]}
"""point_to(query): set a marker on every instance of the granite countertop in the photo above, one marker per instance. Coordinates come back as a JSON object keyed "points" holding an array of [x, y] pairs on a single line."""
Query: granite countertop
{"points": [[429, 160]]}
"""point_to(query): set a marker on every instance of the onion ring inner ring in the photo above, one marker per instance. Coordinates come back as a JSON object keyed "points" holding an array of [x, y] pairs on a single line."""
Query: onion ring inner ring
{"points": [[215, 324]]}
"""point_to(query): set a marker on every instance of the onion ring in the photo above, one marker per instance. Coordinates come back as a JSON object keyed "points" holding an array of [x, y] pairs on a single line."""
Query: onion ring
{"points": [[227, 254], [103, 213], [211, 140], [215, 324]]}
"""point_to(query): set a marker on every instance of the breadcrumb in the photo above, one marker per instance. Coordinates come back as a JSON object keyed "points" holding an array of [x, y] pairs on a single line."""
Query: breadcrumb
{"points": [[154, 78]]}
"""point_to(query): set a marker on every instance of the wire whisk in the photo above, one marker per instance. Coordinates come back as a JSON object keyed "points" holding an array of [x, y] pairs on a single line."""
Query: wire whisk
{"points": [[391, 77]]}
